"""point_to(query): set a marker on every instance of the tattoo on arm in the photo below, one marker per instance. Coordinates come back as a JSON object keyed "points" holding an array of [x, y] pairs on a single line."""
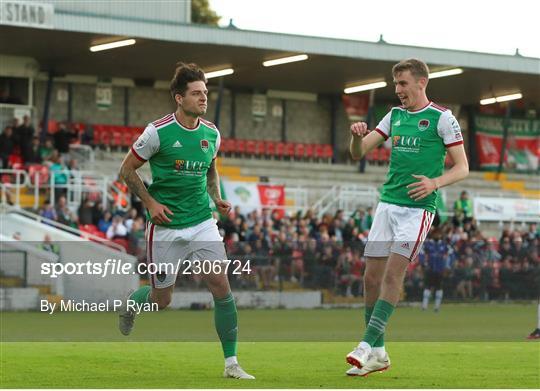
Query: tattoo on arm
{"points": [[212, 182], [135, 184]]}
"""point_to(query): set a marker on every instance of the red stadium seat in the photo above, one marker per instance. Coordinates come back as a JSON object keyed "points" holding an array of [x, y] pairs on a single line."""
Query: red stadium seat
{"points": [[250, 148], [41, 170], [14, 159], [106, 135], [310, 151], [299, 151], [328, 152], [260, 148], [240, 147], [116, 136], [319, 151], [270, 148], [280, 150], [289, 150], [126, 136]]}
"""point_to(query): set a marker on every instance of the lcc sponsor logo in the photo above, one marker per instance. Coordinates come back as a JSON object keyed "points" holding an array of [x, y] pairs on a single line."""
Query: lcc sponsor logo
{"points": [[406, 143]]}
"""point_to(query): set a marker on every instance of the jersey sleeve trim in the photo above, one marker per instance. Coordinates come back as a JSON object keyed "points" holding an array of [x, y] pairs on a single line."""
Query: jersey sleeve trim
{"points": [[137, 155], [453, 144], [385, 136]]}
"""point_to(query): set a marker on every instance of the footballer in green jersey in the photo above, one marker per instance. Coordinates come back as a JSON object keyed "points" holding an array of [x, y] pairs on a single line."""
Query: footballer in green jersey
{"points": [[421, 133], [181, 149]]}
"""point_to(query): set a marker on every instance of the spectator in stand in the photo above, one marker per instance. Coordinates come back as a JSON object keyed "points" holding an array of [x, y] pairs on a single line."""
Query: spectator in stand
{"points": [[129, 219], [117, 230], [62, 137], [32, 154], [49, 246], [86, 212], [25, 134], [7, 145], [463, 209], [87, 136], [65, 216], [97, 212], [105, 222], [491, 254], [48, 211], [368, 219], [59, 173], [137, 243], [46, 150]]}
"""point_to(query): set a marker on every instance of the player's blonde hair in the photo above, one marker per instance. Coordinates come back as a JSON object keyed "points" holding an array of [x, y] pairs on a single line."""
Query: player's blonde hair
{"points": [[418, 68]]}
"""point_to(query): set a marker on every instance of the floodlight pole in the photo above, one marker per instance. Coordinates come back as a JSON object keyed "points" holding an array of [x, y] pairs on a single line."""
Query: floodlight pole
{"points": [[506, 126], [218, 103], [47, 106]]}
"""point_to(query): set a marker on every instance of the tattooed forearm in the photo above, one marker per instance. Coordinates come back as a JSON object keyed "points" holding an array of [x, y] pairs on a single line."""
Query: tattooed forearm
{"points": [[135, 184], [212, 182]]}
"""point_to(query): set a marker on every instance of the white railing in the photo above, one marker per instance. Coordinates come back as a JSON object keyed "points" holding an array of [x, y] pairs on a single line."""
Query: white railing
{"points": [[78, 185], [67, 228], [21, 179], [83, 154], [347, 198]]}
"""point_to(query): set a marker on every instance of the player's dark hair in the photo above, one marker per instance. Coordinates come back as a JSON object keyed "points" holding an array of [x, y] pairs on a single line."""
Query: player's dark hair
{"points": [[418, 68], [184, 74]]}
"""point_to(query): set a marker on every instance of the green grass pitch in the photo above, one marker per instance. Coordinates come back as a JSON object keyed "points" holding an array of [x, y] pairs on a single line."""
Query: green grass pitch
{"points": [[463, 346]]}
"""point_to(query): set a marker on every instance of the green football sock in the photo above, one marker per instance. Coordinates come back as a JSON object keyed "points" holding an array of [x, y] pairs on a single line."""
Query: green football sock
{"points": [[142, 295], [379, 343], [377, 322], [226, 320]]}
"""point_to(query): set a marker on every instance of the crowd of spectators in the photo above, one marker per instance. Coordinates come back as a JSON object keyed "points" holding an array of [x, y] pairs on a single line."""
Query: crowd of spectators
{"points": [[327, 253]]}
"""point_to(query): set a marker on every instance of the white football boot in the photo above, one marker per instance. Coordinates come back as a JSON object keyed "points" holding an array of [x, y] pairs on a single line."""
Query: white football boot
{"points": [[374, 364], [235, 371], [359, 356]]}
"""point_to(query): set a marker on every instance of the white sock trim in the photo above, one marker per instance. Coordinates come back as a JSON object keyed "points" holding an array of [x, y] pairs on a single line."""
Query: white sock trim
{"points": [[379, 351], [364, 345], [231, 361]]}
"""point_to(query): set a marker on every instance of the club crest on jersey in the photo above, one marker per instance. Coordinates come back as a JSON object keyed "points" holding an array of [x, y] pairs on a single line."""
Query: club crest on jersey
{"points": [[204, 145], [423, 124]]}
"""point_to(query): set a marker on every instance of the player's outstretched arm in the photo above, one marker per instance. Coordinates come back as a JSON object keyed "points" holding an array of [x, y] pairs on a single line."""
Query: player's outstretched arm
{"points": [[213, 188], [128, 172], [363, 140]]}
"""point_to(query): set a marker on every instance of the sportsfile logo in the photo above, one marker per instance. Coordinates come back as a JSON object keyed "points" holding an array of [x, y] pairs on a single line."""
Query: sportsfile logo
{"points": [[406, 143]]}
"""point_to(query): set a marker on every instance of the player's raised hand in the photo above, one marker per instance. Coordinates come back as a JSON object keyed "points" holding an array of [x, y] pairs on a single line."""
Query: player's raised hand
{"points": [[158, 213], [421, 189], [224, 207], [359, 129]]}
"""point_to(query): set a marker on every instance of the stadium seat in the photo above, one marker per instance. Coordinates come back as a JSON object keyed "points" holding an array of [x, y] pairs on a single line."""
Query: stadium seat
{"points": [[14, 159], [310, 151], [250, 148], [280, 150], [40, 169], [328, 152], [319, 151], [289, 150], [116, 136], [270, 149], [260, 148], [240, 147], [229, 146], [299, 151], [126, 136]]}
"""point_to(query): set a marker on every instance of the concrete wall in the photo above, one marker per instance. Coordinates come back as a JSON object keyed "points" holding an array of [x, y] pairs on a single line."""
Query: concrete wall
{"points": [[306, 121]]}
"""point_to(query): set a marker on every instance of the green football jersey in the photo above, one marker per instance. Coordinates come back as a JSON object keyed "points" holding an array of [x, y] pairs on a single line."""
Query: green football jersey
{"points": [[179, 159], [419, 141]]}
